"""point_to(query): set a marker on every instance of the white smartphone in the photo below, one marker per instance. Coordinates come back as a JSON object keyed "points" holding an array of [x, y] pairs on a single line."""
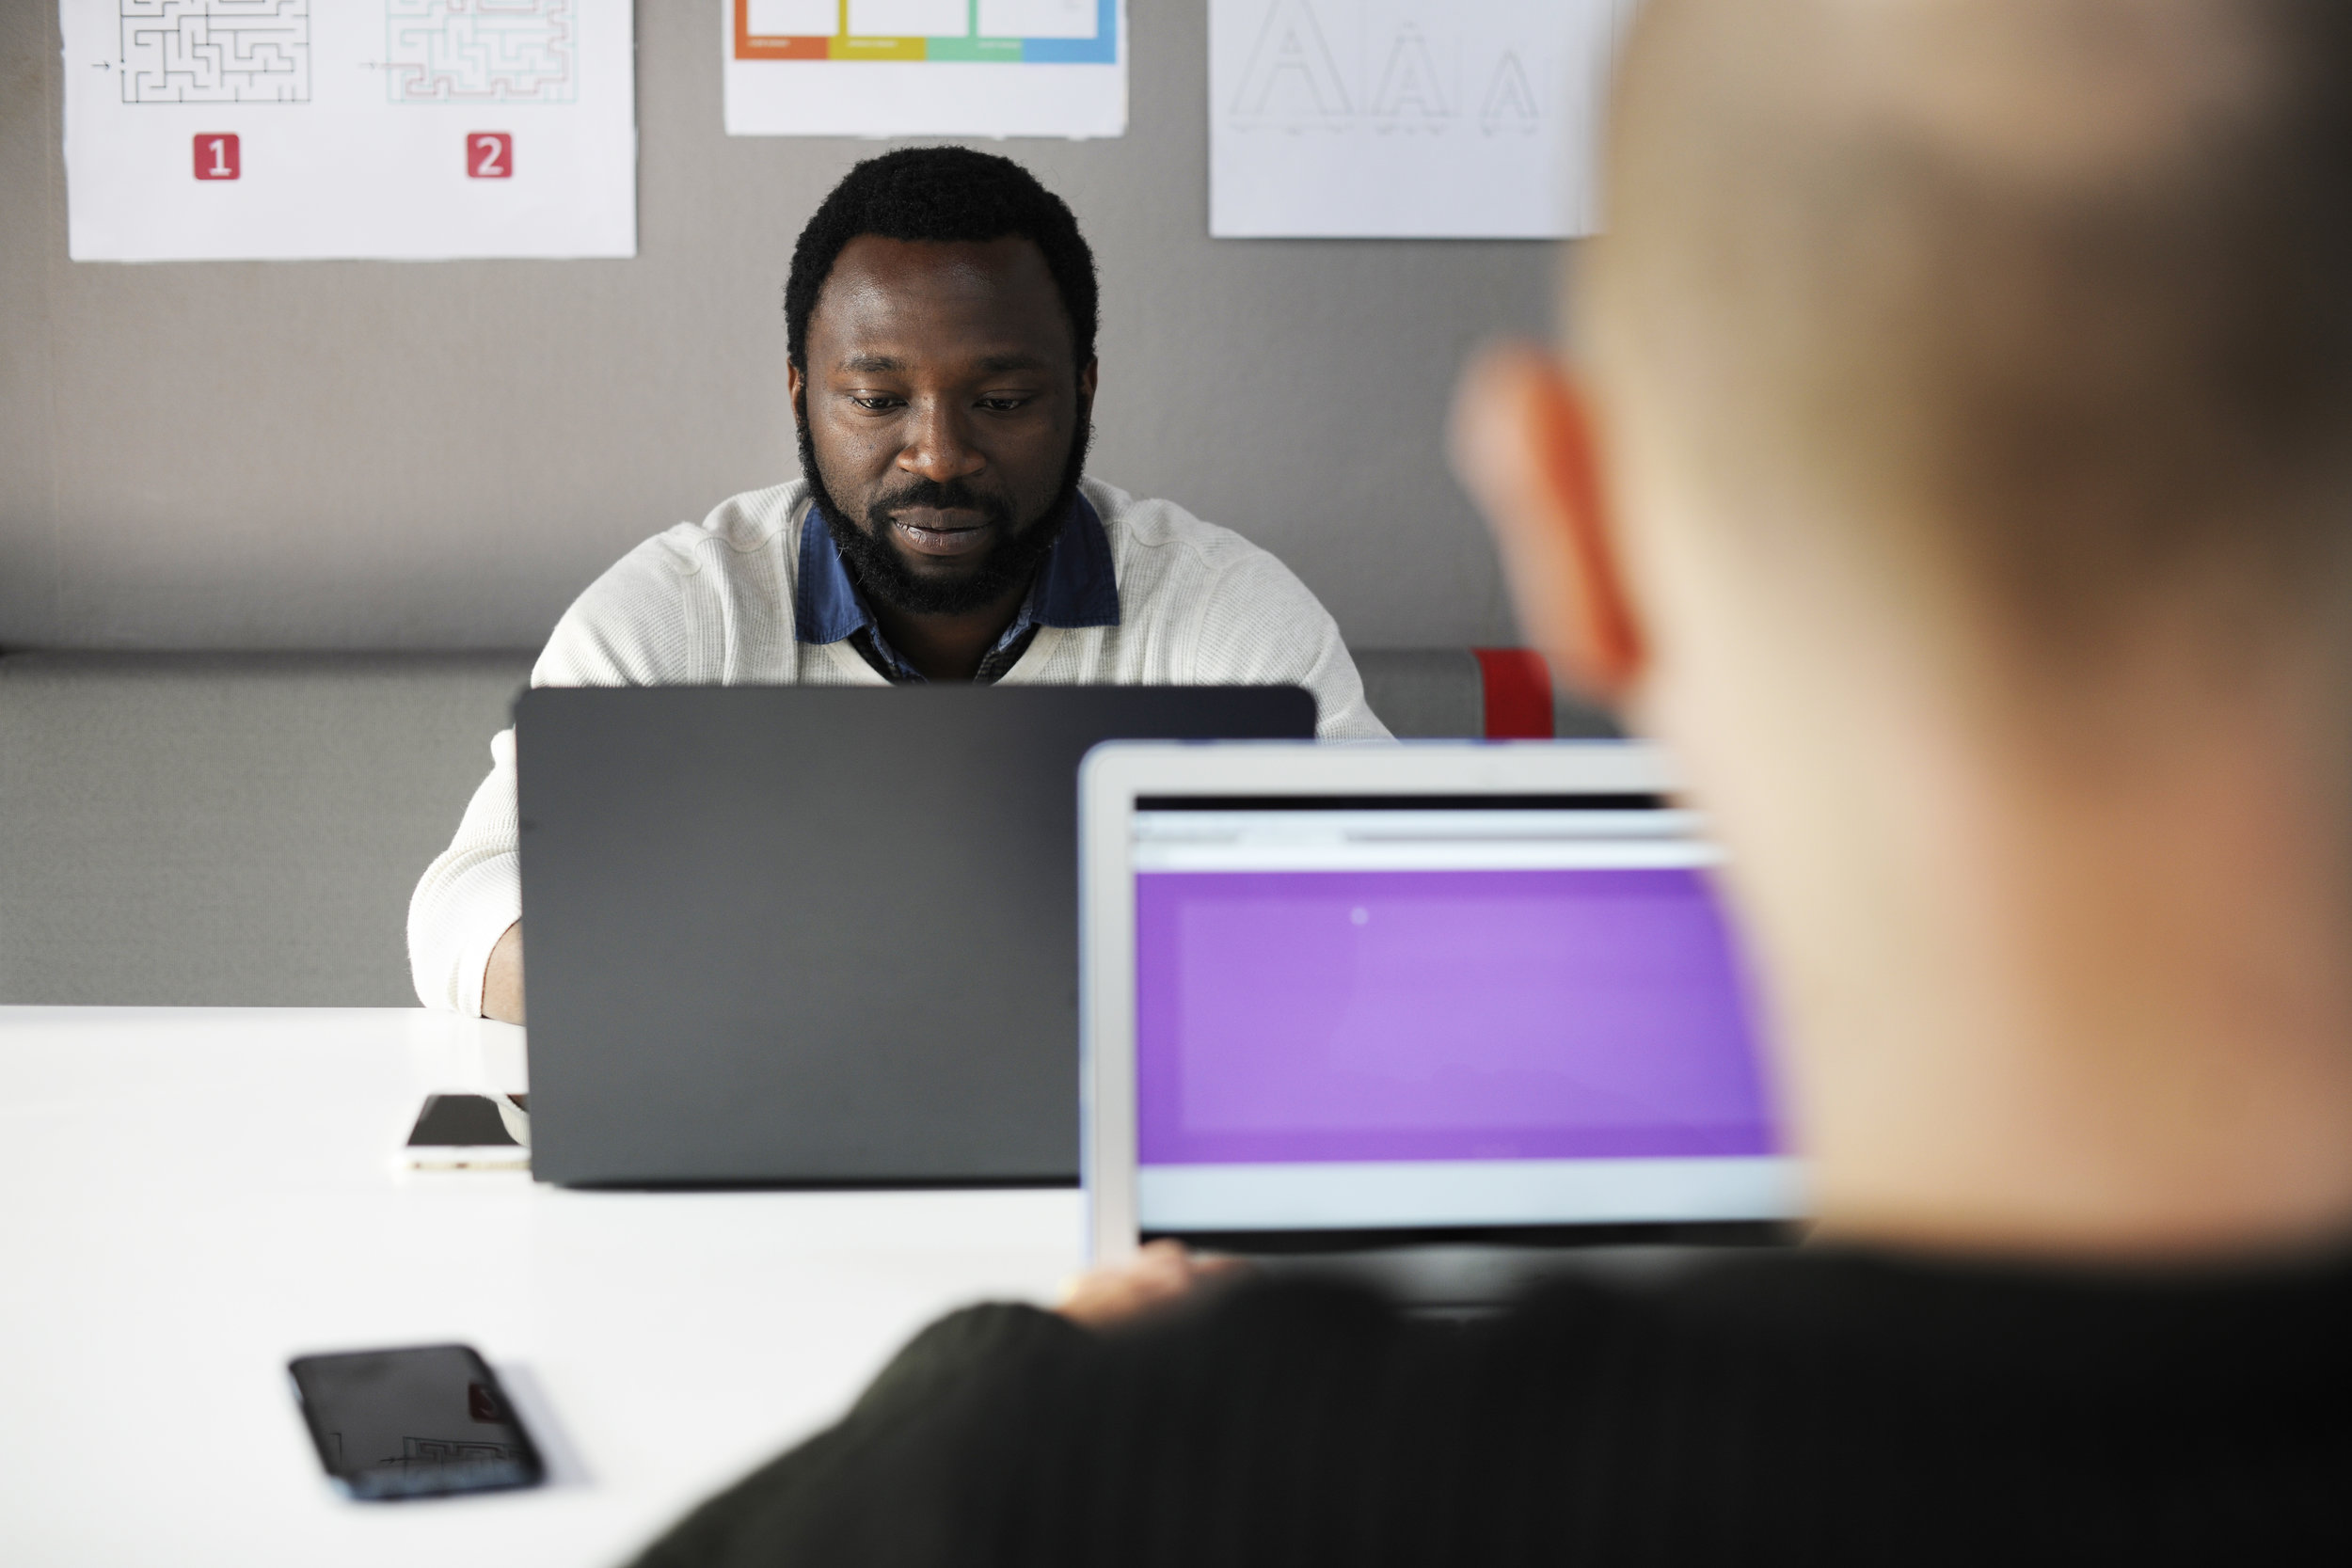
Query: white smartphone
{"points": [[470, 1131]]}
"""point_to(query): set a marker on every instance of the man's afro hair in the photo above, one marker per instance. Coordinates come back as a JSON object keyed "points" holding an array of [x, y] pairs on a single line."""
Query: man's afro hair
{"points": [[943, 194]]}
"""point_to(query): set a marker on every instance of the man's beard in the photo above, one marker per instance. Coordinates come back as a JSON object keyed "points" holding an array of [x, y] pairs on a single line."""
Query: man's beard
{"points": [[880, 571]]}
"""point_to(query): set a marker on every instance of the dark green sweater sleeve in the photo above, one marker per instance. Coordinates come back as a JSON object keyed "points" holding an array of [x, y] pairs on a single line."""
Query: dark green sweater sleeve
{"points": [[877, 1486], [1268, 1425]]}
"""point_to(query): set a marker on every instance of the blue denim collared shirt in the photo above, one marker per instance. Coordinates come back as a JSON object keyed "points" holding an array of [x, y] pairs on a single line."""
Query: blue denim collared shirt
{"points": [[1075, 587]]}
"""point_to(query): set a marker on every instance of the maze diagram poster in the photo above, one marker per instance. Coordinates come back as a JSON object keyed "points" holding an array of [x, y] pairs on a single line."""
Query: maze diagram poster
{"points": [[1407, 119], [399, 130], [926, 68]]}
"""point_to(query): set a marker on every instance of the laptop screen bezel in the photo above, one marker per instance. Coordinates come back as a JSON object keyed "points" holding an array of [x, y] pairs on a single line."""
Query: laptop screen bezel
{"points": [[1116, 780]]}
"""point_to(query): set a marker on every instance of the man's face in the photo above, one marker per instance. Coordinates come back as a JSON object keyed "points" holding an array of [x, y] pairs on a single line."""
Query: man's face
{"points": [[941, 416]]}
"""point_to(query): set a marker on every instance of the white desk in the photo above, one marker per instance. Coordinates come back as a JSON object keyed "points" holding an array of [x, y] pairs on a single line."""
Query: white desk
{"points": [[188, 1196]]}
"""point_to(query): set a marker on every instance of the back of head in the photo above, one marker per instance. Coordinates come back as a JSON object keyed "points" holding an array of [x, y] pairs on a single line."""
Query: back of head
{"points": [[2052, 299], [1973, 380]]}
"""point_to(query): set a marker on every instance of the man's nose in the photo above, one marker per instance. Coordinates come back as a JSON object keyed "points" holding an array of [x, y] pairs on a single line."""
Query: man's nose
{"points": [[939, 446]]}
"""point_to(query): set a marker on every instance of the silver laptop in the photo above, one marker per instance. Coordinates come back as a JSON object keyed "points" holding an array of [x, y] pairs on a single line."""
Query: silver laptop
{"points": [[1451, 1014]]}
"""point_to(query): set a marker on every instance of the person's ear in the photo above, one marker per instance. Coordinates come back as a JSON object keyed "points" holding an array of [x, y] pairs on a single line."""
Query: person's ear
{"points": [[1524, 445], [1086, 380], [793, 383]]}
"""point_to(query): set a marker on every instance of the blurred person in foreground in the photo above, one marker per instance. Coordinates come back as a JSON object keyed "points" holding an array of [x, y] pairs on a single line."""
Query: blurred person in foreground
{"points": [[1958, 477]]}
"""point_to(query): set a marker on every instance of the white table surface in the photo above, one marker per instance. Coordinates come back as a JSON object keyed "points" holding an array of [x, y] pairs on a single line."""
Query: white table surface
{"points": [[189, 1197]]}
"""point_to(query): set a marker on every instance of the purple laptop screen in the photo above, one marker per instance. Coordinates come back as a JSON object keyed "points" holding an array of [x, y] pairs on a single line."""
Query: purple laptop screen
{"points": [[1297, 1016]]}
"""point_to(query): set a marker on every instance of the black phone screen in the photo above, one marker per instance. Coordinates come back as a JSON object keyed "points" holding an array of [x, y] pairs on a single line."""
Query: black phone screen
{"points": [[457, 1120], [413, 1423]]}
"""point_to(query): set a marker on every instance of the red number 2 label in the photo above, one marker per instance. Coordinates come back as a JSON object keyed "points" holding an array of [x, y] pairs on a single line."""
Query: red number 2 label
{"points": [[490, 155]]}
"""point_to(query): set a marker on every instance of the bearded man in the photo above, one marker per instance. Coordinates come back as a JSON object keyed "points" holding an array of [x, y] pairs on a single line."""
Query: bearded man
{"points": [[941, 318]]}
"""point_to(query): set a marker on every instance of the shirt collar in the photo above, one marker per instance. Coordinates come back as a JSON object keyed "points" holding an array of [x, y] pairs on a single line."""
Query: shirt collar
{"points": [[1075, 587]]}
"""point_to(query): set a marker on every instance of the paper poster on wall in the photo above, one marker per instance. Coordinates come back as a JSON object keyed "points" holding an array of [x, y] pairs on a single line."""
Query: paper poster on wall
{"points": [[1407, 118], [926, 68], [396, 130]]}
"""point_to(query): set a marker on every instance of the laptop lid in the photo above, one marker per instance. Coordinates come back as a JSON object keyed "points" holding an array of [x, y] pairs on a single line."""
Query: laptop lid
{"points": [[1342, 996], [809, 935]]}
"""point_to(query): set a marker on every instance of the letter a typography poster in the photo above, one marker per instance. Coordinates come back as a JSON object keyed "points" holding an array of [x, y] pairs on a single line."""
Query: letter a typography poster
{"points": [[1407, 119], [926, 68]]}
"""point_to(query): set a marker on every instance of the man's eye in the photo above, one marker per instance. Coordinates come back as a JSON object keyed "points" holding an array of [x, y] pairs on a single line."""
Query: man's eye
{"points": [[877, 402], [1004, 405]]}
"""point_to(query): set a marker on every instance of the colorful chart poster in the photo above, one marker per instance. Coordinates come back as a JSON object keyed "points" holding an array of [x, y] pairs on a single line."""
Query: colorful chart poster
{"points": [[1407, 119], [926, 68], [396, 130]]}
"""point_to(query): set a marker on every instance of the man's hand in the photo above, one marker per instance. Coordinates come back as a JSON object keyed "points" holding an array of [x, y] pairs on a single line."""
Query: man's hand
{"points": [[502, 978], [1155, 1278]]}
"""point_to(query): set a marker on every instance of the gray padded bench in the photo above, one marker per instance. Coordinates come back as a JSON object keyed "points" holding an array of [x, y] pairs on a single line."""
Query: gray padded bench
{"points": [[1443, 693], [230, 829], [243, 829]]}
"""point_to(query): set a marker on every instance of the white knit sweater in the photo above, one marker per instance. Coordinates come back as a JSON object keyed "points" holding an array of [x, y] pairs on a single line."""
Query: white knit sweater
{"points": [[713, 605]]}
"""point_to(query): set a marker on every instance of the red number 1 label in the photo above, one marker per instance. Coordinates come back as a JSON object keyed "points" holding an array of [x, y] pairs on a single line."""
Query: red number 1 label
{"points": [[490, 155], [215, 155]]}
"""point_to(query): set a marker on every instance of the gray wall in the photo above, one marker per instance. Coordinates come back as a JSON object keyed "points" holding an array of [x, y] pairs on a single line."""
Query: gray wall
{"points": [[384, 455]]}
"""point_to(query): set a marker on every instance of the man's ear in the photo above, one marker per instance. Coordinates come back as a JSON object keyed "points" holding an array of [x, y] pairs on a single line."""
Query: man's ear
{"points": [[793, 381], [1523, 444]]}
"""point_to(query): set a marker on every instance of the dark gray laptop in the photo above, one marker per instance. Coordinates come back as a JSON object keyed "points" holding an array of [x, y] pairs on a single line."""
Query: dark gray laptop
{"points": [[813, 935]]}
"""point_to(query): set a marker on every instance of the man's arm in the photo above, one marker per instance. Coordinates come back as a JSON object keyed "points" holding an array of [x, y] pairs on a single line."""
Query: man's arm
{"points": [[469, 895], [1270, 1425], [883, 1486], [812, 1495], [631, 627], [1260, 624], [502, 978]]}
